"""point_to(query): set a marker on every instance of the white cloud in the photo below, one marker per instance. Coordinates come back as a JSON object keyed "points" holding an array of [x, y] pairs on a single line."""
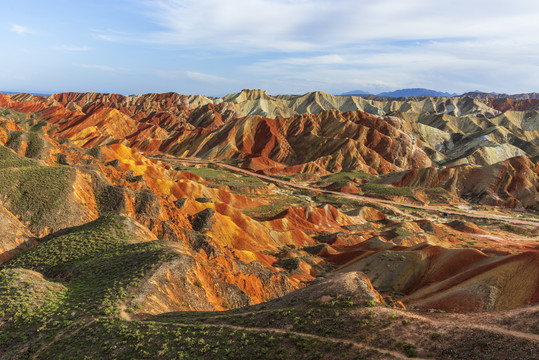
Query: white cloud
{"points": [[19, 29], [102, 67], [342, 44], [71, 48], [204, 77], [309, 25], [96, 67], [198, 76], [451, 66], [106, 37]]}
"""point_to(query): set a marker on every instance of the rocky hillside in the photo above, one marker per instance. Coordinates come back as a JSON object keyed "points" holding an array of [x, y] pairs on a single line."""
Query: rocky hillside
{"points": [[121, 215], [450, 130]]}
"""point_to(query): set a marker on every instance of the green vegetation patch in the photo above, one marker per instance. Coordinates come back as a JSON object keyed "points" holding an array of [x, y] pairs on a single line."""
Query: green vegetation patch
{"points": [[382, 189], [96, 260], [22, 292], [338, 318], [13, 115], [36, 145], [14, 139], [321, 318], [278, 203], [401, 231], [37, 194], [341, 202], [90, 270], [220, 177], [343, 178], [9, 159], [116, 339]]}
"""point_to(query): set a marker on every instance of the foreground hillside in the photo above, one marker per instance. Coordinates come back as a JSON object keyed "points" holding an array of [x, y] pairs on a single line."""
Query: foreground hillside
{"points": [[126, 221]]}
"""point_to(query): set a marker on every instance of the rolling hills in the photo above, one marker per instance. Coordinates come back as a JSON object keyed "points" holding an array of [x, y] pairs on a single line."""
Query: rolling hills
{"points": [[319, 226]]}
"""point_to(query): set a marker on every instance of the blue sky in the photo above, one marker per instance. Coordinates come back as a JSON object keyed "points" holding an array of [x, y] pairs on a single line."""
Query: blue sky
{"points": [[215, 47]]}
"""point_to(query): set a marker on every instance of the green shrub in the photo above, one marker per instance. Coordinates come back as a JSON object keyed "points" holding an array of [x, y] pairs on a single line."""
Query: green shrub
{"points": [[402, 231], [35, 145], [14, 139], [410, 350]]}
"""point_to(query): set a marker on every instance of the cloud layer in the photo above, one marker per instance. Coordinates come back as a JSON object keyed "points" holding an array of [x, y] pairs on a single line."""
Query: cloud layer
{"points": [[309, 25], [371, 44], [285, 46]]}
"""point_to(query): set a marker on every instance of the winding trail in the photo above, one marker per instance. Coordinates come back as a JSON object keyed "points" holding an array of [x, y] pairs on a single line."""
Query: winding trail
{"points": [[356, 197], [65, 333], [450, 324], [357, 345], [460, 321]]}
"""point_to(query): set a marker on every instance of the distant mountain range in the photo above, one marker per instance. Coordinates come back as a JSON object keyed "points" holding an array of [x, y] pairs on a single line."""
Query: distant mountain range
{"points": [[427, 92], [400, 93], [27, 92]]}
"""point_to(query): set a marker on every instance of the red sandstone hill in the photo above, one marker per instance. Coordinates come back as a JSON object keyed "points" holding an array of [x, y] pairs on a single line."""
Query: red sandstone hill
{"points": [[247, 229], [507, 104], [101, 226], [330, 141], [511, 183], [443, 125]]}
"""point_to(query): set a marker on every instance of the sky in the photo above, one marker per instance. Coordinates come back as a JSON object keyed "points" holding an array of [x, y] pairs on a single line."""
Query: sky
{"points": [[215, 47]]}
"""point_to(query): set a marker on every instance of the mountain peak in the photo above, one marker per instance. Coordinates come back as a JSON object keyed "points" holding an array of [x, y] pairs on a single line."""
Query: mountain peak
{"points": [[247, 94], [414, 92]]}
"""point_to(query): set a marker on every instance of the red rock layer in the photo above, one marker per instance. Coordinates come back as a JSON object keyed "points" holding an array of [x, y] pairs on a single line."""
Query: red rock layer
{"points": [[511, 183], [193, 126], [509, 104]]}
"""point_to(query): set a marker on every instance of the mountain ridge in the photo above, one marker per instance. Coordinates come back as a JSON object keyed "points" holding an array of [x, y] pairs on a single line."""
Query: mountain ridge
{"points": [[401, 93], [319, 226]]}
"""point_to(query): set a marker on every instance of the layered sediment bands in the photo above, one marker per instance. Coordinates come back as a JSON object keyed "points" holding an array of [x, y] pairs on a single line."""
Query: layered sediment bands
{"points": [[14, 237], [506, 104], [173, 103], [195, 282], [511, 183], [120, 180], [232, 240], [331, 140], [451, 279], [258, 102], [492, 284], [233, 246], [458, 129]]}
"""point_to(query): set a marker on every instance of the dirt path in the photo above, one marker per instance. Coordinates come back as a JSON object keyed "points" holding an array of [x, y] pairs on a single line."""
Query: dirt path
{"points": [[65, 333], [358, 197], [469, 321], [457, 320], [393, 354]]}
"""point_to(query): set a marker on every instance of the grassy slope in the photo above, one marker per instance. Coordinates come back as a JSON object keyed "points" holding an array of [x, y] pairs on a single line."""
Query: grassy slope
{"points": [[97, 268], [97, 265], [336, 329], [194, 335], [37, 194]]}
